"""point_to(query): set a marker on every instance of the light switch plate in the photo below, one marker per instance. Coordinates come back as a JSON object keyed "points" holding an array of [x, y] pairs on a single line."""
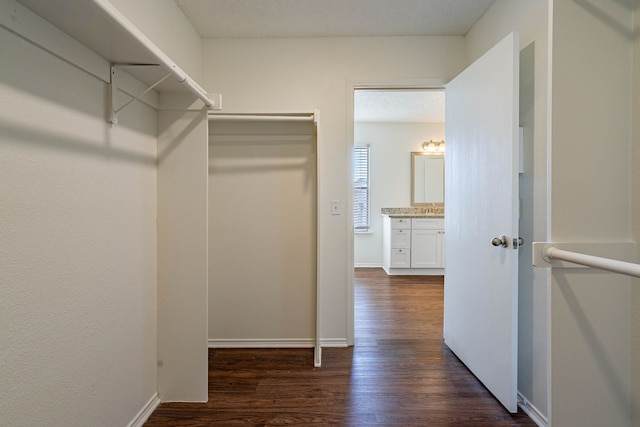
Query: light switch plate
{"points": [[336, 207]]}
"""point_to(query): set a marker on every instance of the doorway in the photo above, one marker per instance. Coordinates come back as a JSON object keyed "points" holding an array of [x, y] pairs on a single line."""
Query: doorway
{"points": [[393, 120]]}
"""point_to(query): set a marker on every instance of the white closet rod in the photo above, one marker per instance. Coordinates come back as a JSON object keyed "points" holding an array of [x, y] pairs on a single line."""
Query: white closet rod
{"points": [[121, 21], [262, 117], [549, 252]]}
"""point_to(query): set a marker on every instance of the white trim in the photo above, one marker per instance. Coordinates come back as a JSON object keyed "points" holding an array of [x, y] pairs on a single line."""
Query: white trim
{"points": [[335, 342], [263, 343], [143, 415], [414, 271], [367, 265], [320, 227], [532, 411], [277, 343], [349, 296]]}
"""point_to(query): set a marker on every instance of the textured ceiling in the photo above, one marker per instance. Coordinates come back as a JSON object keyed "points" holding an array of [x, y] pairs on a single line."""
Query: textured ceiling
{"points": [[332, 18], [426, 106]]}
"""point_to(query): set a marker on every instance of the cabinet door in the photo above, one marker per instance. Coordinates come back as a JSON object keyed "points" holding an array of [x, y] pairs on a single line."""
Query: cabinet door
{"points": [[400, 258], [401, 239], [426, 249]]}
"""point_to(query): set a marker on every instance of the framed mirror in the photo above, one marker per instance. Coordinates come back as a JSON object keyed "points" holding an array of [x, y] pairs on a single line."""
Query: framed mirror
{"points": [[427, 178]]}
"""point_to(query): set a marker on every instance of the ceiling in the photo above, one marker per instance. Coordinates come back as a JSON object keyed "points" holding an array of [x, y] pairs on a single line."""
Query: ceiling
{"points": [[346, 18], [416, 106], [332, 18]]}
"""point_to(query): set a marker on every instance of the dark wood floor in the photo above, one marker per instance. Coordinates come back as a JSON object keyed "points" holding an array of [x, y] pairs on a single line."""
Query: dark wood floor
{"points": [[399, 373]]}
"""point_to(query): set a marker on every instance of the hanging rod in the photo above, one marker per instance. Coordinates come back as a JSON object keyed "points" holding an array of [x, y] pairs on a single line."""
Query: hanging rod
{"points": [[114, 15], [546, 253], [310, 117]]}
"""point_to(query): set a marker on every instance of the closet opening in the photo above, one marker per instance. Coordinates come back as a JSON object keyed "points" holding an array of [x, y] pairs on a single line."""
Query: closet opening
{"points": [[263, 228]]}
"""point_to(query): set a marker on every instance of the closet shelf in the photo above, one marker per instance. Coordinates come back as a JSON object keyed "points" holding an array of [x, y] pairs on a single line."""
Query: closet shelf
{"points": [[102, 28]]}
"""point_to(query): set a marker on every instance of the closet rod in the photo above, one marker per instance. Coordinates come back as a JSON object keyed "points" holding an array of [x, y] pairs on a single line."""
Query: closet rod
{"points": [[114, 15], [262, 117]]}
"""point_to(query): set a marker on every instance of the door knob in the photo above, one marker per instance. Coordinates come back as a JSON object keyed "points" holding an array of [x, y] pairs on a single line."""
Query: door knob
{"points": [[500, 241]]}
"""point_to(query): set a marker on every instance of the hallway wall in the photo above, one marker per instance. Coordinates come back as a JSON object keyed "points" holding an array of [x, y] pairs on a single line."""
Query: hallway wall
{"points": [[314, 73]]}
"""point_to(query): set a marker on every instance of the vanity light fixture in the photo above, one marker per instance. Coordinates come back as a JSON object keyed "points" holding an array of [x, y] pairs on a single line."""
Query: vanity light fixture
{"points": [[431, 147]]}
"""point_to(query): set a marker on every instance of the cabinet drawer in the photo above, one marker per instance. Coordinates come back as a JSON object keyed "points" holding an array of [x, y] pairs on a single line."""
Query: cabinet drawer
{"points": [[401, 238], [427, 223], [400, 258], [401, 223]]}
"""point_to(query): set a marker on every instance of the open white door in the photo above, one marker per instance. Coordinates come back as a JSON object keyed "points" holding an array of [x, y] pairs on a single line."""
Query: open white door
{"points": [[481, 199]]}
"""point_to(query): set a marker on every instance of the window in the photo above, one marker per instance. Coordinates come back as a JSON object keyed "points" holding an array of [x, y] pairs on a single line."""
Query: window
{"points": [[361, 188]]}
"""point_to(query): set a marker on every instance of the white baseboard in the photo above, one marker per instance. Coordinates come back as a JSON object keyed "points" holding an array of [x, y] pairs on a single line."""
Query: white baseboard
{"points": [[414, 271], [146, 411], [263, 343], [276, 343], [367, 265], [334, 342], [533, 412]]}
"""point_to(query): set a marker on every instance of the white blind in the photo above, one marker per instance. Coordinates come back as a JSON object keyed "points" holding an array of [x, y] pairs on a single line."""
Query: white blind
{"points": [[361, 188]]}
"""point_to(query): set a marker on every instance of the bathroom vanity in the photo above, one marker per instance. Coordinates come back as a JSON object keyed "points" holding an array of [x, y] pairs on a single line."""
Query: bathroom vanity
{"points": [[413, 241]]}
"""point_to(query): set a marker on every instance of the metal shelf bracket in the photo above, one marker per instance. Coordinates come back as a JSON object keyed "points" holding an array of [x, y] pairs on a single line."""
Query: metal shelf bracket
{"points": [[113, 86]]}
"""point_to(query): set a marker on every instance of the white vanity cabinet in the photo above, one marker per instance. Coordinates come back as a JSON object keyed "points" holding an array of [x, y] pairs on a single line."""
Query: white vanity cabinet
{"points": [[426, 243], [413, 246]]}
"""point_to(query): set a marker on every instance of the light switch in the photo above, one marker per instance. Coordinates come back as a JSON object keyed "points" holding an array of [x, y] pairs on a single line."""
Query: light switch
{"points": [[336, 207]]}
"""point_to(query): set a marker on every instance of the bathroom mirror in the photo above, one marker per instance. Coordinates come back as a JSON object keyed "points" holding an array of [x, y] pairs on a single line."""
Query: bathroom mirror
{"points": [[427, 178]]}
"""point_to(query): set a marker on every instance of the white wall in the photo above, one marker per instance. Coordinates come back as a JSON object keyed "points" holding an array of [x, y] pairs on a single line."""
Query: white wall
{"points": [[635, 209], [182, 253], [591, 83], [305, 74], [78, 253], [390, 174], [529, 18]]}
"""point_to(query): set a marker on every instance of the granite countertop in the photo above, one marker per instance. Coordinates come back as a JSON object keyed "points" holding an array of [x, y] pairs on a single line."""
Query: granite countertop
{"points": [[414, 212]]}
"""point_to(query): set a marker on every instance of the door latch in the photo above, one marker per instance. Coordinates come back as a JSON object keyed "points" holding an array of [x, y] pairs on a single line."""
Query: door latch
{"points": [[517, 242]]}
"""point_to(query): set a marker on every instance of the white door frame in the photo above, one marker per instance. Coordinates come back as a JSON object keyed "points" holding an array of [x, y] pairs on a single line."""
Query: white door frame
{"points": [[352, 86]]}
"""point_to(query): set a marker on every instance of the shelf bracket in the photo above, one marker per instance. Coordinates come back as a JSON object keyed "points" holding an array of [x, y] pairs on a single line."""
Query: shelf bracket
{"points": [[113, 85]]}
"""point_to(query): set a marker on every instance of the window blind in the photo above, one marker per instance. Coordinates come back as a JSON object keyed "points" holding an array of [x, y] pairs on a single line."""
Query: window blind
{"points": [[361, 188]]}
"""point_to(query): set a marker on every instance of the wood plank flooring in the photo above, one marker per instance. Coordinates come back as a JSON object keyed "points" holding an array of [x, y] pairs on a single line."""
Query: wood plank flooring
{"points": [[399, 373]]}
